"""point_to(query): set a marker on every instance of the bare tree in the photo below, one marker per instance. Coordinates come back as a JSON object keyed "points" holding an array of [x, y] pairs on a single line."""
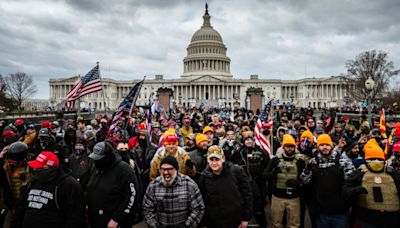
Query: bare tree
{"points": [[370, 63], [19, 86]]}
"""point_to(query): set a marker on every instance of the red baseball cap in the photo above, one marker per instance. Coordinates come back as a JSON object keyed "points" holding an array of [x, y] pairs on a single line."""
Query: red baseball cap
{"points": [[19, 122], [8, 133], [44, 158], [171, 138]]}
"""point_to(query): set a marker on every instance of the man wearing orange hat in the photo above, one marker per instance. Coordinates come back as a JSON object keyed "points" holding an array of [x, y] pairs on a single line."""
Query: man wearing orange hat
{"points": [[198, 156], [285, 170], [325, 175], [53, 199], [375, 190], [209, 132], [170, 147]]}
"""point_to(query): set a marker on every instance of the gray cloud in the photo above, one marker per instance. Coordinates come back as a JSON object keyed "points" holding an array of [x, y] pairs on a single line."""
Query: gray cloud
{"points": [[133, 38]]}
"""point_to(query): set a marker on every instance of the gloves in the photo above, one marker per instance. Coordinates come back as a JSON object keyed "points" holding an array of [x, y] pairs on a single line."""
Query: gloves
{"points": [[360, 190], [189, 164], [311, 164]]}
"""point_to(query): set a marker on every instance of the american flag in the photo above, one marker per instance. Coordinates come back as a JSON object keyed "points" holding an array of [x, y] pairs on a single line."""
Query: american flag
{"points": [[90, 83], [265, 119], [126, 106]]}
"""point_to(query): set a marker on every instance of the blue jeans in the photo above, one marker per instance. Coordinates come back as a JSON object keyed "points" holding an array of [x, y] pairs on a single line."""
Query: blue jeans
{"points": [[332, 221]]}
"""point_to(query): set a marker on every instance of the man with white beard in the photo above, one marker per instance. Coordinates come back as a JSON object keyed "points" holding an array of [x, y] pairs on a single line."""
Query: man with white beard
{"points": [[172, 199]]}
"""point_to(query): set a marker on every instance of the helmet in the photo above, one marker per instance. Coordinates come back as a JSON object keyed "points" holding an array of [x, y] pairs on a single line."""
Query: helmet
{"points": [[17, 151]]}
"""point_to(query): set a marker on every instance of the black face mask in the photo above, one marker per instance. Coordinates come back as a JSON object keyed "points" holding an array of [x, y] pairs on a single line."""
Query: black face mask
{"points": [[142, 142], [124, 155], [105, 162], [46, 175], [79, 152], [46, 143], [397, 156], [20, 128]]}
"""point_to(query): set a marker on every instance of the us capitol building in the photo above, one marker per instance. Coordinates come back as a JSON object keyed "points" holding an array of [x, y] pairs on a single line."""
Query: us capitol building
{"points": [[207, 78]]}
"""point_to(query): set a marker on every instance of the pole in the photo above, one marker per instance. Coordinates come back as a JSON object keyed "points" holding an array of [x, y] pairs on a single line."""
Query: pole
{"points": [[78, 110], [369, 110], [102, 91], [271, 130], [78, 105]]}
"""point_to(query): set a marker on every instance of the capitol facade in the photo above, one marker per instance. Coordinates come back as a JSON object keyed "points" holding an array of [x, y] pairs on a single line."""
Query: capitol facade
{"points": [[207, 79]]}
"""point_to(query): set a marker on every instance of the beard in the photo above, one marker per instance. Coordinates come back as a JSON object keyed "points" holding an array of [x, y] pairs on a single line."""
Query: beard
{"points": [[170, 181]]}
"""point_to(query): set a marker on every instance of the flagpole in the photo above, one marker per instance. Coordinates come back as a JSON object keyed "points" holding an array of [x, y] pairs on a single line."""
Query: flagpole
{"points": [[133, 105], [271, 130], [102, 90], [78, 104]]}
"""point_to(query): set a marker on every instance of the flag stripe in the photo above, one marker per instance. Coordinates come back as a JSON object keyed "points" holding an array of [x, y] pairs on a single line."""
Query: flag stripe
{"points": [[260, 139]]}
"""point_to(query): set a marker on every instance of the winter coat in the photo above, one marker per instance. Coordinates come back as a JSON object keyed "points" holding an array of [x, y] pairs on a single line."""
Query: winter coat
{"points": [[228, 197], [56, 202], [111, 194]]}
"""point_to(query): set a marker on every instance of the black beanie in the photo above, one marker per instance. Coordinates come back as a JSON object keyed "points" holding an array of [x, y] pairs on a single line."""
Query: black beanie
{"points": [[350, 144], [170, 160]]}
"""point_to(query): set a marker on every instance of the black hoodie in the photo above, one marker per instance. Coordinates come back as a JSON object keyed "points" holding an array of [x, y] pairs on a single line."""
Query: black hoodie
{"points": [[111, 194], [55, 201]]}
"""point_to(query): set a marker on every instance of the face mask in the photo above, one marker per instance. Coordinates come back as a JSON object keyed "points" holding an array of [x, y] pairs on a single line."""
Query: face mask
{"points": [[376, 165], [46, 142], [142, 141], [105, 162], [124, 155], [397, 156], [231, 142], [46, 175], [265, 132], [78, 151]]}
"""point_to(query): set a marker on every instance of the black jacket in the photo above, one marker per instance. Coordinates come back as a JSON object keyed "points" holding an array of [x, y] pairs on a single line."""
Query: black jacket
{"points": [[111, 194], [227, 197], [56, 202]]}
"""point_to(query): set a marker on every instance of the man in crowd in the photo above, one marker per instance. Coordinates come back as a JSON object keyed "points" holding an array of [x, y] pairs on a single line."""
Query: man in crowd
{"points": [[14, 176], [170, 147], [53, 198], [230, 145], [226, 191], [198, 156], [326, 174], [172, 199], [254, 161], [375, 191], [111, 190], [285, 170]]}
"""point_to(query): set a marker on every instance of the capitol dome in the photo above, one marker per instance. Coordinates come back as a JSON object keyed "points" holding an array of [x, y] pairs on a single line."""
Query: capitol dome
{"points": [[206, 53]]}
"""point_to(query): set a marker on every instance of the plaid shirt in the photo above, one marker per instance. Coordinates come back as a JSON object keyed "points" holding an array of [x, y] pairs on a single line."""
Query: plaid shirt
{"points": [[168, 206]]}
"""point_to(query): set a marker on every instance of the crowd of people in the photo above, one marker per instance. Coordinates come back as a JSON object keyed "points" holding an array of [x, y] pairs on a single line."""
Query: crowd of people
{"points": [[201, 168]]}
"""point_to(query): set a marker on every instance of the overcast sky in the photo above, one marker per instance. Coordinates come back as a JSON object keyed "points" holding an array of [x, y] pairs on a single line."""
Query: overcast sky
{"points": [[275, 39]]}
